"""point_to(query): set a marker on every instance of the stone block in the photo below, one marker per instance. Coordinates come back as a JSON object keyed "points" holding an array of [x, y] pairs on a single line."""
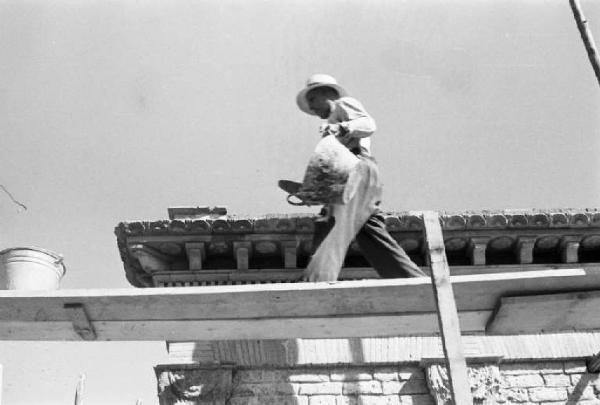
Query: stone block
{"points": [[379, 400], [322, 400], [421, 399], [392, 387], [414, 386], [386, 376], [531, 368], [524, 381], [263, 400], [324, 388], [308, 378], [341, 375], [514, 395], [549, 394], [572, 367], [362, 387], [258, 376], [557, 380], [407, 373], [276, 388]]}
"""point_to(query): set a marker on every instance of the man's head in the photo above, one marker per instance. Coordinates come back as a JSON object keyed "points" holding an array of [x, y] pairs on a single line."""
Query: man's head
{"points": [[318, 95], [320, 100]]}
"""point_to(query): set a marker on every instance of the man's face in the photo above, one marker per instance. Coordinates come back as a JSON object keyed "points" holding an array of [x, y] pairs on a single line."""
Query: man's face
{"points": [[319, 101]]}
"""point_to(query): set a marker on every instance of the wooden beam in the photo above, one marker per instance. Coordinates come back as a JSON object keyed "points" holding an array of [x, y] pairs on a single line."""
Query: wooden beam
{"points": [[81, 323], [553, 313], [587, 37], [593, 363], [35, 315], [447, 310], [233, 329]]}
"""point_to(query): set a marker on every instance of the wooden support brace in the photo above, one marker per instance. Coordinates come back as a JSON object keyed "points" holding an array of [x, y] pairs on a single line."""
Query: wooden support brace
{"points": [[196, 253], [242, 251], [290, 253], [569, 249], [81, 323], [477, 250], [447, 311], [593, 363], [525, 246]]}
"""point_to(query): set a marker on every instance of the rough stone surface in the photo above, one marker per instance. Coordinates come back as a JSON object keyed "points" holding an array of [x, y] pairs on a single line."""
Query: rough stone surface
{"points": [[322, 400], [362, 387], [331, 388], [540, 394], [525, 380], [340, 375], [526, 383]]}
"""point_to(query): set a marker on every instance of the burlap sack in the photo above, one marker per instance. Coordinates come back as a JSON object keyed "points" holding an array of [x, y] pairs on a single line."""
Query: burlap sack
{"points": [[331, 175]]}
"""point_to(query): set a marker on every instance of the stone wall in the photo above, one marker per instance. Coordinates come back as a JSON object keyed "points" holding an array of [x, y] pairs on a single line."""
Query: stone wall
{"points": [[523, 383]]}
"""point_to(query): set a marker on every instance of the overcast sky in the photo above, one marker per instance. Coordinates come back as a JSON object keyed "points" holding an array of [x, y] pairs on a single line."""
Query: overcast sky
{"points": [[115, 110]]}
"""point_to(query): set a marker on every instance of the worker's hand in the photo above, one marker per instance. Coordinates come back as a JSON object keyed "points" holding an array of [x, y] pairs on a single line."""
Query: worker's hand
{"points": [[338, 130]]}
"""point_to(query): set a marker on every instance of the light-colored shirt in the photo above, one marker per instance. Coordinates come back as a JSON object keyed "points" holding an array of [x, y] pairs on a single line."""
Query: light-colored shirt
{"points": [[350, 112]]}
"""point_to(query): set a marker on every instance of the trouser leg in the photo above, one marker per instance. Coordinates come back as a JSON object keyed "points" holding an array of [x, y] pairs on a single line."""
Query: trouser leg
{"points": [[328, 258], [383, 252]]}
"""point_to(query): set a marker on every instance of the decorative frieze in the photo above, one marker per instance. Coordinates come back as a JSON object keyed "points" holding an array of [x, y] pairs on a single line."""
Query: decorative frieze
{"points": [[525, 245], [196, 253], [569, 249], [202, 238], [477, 250]]}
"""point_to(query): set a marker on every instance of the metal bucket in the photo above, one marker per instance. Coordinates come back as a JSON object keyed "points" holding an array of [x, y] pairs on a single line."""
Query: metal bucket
{"points": [[330, 174], [30, 268]]}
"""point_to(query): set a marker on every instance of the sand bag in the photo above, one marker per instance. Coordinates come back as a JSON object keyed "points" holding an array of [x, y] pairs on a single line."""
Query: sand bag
{"points": [[330, 177]]}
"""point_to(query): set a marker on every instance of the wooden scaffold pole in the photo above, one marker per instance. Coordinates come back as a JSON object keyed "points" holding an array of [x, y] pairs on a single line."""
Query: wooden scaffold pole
{"points": [[586, 36], [79, 390]]}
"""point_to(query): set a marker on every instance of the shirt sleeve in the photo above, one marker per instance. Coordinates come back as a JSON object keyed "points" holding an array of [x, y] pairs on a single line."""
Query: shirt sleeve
{"points": [[352, 114]]}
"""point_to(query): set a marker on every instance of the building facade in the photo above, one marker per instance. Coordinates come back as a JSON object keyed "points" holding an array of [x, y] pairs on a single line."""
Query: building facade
{"points": [[201, 246]]}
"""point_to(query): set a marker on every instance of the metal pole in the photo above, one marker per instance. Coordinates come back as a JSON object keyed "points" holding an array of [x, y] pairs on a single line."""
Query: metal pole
{"points": [[586, 36]]}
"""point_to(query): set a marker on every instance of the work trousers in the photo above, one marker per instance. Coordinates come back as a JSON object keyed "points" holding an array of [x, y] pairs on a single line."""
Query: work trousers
{"points": [[360, 219], [380, 249]]}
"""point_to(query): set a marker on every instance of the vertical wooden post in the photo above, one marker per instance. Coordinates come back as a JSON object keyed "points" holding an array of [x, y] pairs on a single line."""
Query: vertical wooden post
{"points": [[0, 384], [447, 312], [586, 36], [79, 390]]}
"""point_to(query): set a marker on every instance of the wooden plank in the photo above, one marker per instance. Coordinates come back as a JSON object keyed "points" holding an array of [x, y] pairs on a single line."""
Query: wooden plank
{"points": [[80, 321], [364, 297], [447, 311], [279, 302], [234, 329], [547, 313]]}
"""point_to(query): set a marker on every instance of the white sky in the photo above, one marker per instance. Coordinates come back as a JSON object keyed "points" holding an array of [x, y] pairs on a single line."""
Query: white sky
{"points": [[116, 110]]}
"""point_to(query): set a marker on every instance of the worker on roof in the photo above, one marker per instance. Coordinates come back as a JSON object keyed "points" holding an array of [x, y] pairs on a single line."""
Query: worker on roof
{"points": [[361, 218]]}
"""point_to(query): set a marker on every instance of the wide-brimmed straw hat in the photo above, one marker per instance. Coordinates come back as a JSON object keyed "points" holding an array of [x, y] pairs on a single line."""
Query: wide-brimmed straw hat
{"points": [[316, 81]]}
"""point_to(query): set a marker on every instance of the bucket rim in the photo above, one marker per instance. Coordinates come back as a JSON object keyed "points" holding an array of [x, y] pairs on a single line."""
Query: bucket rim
{"points": [[59, 258]]}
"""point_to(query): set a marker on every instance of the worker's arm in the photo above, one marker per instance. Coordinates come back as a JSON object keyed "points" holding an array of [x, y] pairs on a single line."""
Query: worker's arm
{"points": [[355, 122]]}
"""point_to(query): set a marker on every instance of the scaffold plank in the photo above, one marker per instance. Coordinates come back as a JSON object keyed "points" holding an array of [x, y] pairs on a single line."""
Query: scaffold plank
{"points": [[552, 312], [268, 311]]}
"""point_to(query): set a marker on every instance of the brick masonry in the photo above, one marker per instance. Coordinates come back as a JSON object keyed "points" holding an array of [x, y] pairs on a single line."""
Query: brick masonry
{"points": [[524, 383]]}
